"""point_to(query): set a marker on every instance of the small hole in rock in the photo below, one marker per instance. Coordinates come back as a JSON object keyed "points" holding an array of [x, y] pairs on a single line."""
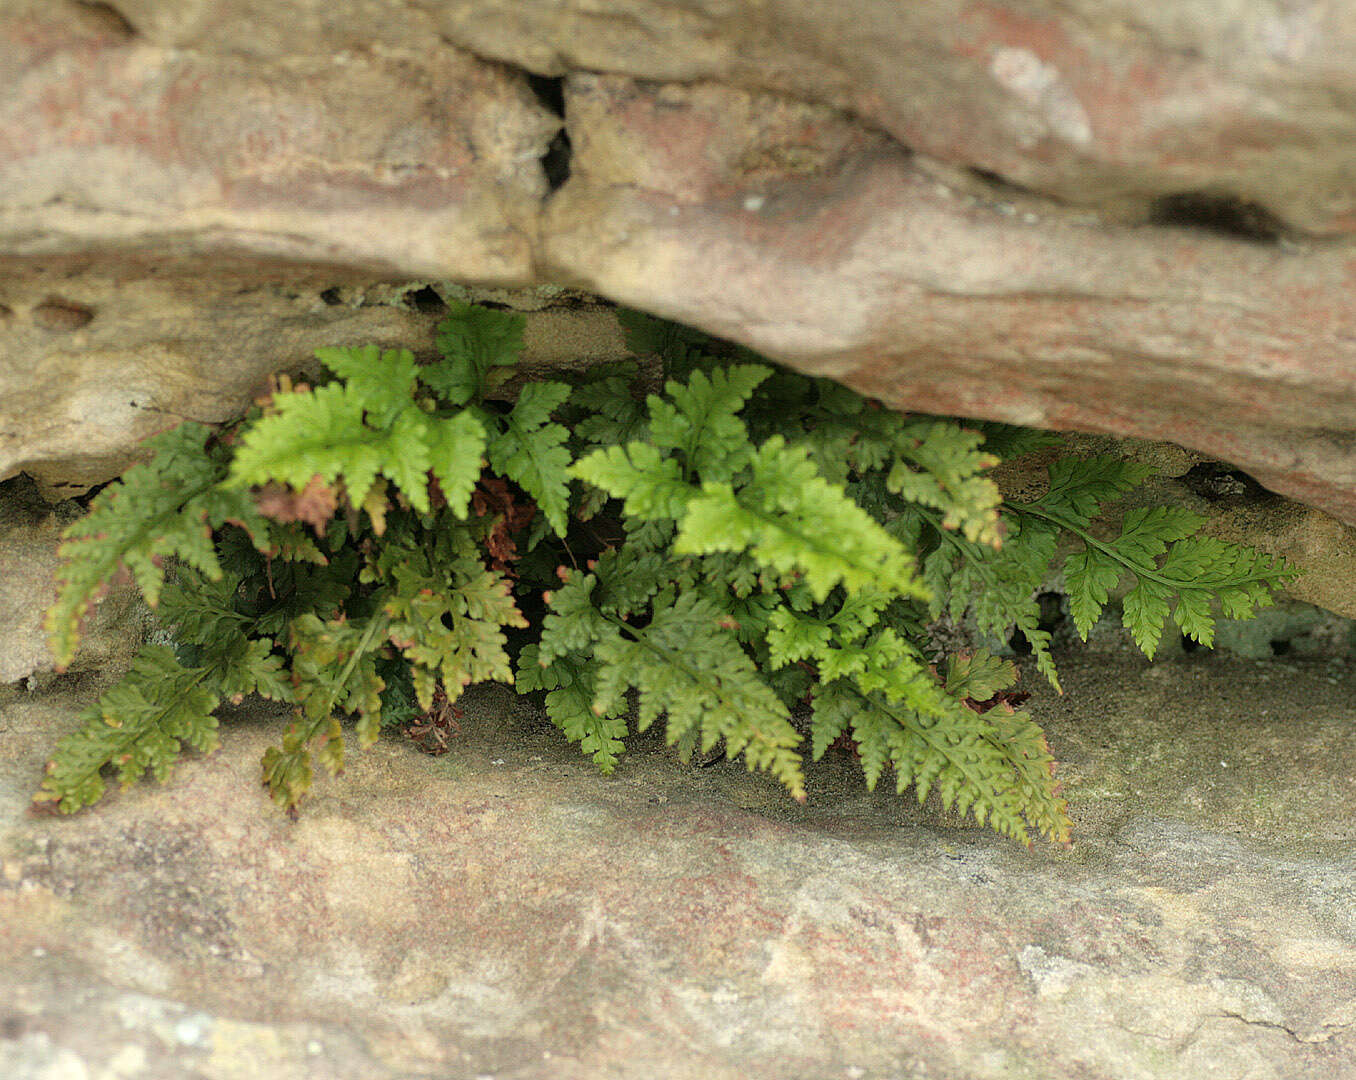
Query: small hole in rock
{"points": [[1052, 616], [109, 19], [1280, 647], [1225, 214], [1216, 481], [331, 298], [550, 91], [426, 301], [556, 161], [1190, 645]]}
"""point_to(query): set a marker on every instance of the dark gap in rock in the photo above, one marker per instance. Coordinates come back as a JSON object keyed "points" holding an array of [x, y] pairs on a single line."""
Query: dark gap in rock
{"points": [[1052, 617], [86, 497], [1190, 645], [1224, 214], [494, 304], [1215, 482], [426, 301], [997, 181], [109, 18], [59, 315], [1280, 647], [550, 91], [556, 161], [330, 297]]}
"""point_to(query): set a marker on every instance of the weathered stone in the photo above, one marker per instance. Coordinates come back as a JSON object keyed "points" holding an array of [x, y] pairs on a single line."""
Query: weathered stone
{"points": [[934, 203], [426, 162], [869, 269], [29, 537], [504, 910], [1100, 103]]}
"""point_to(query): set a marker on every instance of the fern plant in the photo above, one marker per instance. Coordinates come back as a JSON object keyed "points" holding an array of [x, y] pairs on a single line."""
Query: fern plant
{"points": [[752, 556]]}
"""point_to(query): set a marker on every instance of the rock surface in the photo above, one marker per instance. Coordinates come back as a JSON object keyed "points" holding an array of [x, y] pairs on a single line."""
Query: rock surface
{"points": [[1085, 216], [30, 534], [504, 911]]}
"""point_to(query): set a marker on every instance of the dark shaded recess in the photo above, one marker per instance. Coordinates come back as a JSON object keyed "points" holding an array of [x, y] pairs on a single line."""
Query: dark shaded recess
{"points": [[1280, 647], [1052, 617], [997, 181], [1217, 482], [1190, 645], [556, 161], [331, 298], [108, 18], [550, 91], [59, 315], [426, 301], [1227, 215]]}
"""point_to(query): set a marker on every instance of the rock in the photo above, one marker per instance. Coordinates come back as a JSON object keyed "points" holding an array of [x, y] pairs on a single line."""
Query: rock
{"points": [[1049, 215], [29, 537], [420, 158], [505, 910], [157, 351], [869, 269]]}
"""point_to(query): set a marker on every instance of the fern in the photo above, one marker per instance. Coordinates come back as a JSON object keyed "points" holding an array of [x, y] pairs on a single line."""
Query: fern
{"points": [[1174, 569], [164, 508], [763, 554]]}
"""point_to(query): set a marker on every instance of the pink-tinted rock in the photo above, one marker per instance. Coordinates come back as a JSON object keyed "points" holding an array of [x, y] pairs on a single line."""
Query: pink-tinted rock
{"points": [[409, 164], [506, 911], [961, 207], [870, 269]]}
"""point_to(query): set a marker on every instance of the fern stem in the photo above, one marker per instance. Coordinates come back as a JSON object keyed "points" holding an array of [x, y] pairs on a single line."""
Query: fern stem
{"points": [[1139, 569], [639, 636]]}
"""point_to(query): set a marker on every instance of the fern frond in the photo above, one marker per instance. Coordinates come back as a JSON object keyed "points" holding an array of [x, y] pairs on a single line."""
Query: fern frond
{"points": [[702, 422], [447, 611], [791, 520], [531, 450], [165, 507], [1080, 485], [1175, 570], [939, 465], [334, 669], [571, 691], [457, 446], [650, 484], [998, 589], [474, 342], [139, 724], [607, 413], [382, 380], [683, 665], [978, 675]]}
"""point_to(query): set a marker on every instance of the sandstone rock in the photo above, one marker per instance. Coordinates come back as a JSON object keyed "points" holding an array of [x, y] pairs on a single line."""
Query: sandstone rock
{"points": [[1100, 103], [980, 213], [29, 538], [504, 910], [867, 268], [425, 161]]}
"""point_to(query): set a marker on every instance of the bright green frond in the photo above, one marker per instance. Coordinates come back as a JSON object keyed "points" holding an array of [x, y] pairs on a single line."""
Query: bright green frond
{"points": [[792, 520]]}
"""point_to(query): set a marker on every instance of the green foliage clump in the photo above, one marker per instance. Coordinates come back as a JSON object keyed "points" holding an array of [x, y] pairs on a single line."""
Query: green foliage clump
{"points": [[752, 556]]}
